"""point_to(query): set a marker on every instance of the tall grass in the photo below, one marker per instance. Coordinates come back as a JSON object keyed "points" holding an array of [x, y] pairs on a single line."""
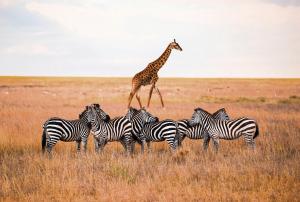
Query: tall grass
{"points": [[270, 173]]}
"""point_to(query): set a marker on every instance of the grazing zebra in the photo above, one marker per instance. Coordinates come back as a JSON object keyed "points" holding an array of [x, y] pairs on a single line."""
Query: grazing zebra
{"points": [[138, 119], [198, 131], [55, 129], [228, 130], [106, 130], [160, 131]]}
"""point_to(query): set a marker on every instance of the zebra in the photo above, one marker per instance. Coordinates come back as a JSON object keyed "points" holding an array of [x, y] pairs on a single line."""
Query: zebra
{"points": [[138, 119], [198, 131], [228, 130], [55, 129], [108, 130], [160, 131]]}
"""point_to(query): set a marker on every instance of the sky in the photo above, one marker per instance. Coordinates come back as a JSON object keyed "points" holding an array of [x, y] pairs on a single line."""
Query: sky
{"points": [[220, 38]]}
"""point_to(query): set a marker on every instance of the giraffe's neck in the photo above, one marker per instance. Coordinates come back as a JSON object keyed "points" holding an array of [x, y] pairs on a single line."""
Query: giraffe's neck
{"points": [[158, 63]]}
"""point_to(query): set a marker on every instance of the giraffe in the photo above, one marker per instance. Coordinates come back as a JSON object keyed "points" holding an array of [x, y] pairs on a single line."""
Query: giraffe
{"points": [[149, 76]]}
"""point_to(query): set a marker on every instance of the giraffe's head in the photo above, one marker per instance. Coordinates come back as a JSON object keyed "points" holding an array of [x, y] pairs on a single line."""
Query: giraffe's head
{"points": [[175, 45]]}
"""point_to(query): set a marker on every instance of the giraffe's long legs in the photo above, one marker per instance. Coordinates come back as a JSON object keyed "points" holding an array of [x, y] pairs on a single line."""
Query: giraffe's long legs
{"points": [[161, 100], [132, 93], [138, 97], [150, 94]]}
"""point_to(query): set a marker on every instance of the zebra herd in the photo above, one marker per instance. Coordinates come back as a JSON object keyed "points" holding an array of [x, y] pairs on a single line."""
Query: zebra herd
{"points": [[139, 126]]}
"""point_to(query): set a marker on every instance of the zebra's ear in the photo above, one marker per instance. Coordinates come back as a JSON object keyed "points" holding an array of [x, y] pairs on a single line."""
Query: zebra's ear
{"points": [[197, 109], [174, 40], [96, 105]]}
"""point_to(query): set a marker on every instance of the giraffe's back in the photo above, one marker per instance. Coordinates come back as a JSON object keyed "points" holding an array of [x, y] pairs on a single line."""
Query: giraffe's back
{"points": [[145, 77]]}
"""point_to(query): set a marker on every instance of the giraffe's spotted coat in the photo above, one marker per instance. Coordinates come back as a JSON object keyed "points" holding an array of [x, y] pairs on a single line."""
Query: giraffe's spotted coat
{"points": [[149, 75]]}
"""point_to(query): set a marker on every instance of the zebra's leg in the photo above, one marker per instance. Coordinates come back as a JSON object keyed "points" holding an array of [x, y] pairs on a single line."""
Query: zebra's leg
{"points": [[128, 141], [171, 142], [139, 139], [216, 143], [133, 145], [49, 150], [102, 144], [78, 142], [122, 141], [180, 139], [206, 140], [143, 142], [148, 146], [249, 140], [96, 143], [84, 144], [50, 144]]}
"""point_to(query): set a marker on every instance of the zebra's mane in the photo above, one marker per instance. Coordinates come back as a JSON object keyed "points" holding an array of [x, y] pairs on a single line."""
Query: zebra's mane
{"points": [[221, 114], [82, 113], [219, 111], [206, 112], [134, 111]]}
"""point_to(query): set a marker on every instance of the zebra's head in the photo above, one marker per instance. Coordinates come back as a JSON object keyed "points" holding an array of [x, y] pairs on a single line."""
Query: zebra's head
{"points": [[198, 116], [147, 117], [221, 114], [84, 116], [142, 114], [131, 113], [102, 115], [91, 116]]}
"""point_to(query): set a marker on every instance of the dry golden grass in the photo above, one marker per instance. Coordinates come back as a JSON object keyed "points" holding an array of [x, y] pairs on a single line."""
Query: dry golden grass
{"points": [[270, 173]]}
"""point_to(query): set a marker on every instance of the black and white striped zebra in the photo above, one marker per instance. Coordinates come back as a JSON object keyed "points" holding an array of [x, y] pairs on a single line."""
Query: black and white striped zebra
{"points": [[228, 130], [198, 131], [108, 130], [55, 129], [160, 131], [138, 119]]}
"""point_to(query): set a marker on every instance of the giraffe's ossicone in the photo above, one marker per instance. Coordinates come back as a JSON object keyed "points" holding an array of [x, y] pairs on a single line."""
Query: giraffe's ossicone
{"points": [[149, 76]]}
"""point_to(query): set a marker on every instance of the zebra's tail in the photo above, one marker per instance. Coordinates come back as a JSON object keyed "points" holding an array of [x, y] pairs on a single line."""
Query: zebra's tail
{"points": [[44, 140], [256, 132], [177, 136]]}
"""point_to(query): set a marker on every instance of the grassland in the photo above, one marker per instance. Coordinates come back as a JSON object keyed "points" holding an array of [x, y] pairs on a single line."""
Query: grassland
{"points": [[270, 173]]}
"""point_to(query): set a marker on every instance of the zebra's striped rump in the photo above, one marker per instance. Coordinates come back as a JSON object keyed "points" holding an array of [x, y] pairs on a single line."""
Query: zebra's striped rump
{"points": [[55, 129], [160, 131]]}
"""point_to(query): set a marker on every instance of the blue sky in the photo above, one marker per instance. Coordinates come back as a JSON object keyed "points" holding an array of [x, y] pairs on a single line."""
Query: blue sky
{"points": [[232, 38]]}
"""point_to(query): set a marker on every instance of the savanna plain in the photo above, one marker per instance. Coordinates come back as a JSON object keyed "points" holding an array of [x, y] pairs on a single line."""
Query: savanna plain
{"points": [[269, 173]]}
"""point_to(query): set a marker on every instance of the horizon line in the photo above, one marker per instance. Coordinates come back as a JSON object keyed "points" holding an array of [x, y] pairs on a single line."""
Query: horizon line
{"points": [[126, 77]]}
